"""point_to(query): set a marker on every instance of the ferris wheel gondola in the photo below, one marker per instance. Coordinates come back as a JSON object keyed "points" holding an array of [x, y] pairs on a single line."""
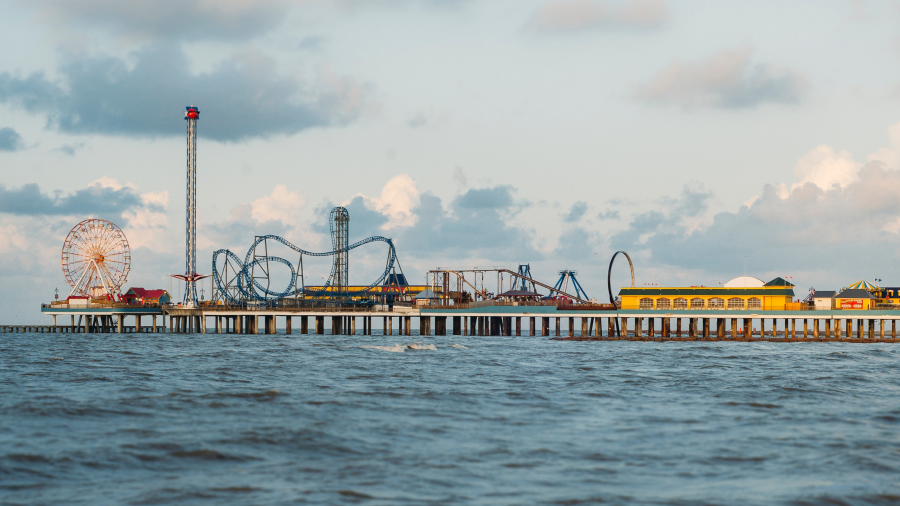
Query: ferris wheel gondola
{"points": [[96, 259]]}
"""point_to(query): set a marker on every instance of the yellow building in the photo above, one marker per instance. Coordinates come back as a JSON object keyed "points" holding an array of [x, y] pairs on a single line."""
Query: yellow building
{"points": [[855, 299], [776, 295]]}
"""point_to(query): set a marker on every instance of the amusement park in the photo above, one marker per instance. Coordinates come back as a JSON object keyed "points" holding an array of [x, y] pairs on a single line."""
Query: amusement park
{"points": [[271, 280]]}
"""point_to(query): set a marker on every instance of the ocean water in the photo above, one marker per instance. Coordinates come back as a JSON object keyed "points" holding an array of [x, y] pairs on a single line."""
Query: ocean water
{"points": [[225, 419]]}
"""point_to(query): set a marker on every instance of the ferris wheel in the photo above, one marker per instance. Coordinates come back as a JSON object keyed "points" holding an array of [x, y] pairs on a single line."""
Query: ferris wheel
{"points": [[96, 258]]}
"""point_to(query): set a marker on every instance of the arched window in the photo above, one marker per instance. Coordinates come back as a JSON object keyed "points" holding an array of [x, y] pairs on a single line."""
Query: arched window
{"points": [[697, 303], [680, 303], [754, 303], [716, 303], [735, 303], [663, 303], [645, 303]]}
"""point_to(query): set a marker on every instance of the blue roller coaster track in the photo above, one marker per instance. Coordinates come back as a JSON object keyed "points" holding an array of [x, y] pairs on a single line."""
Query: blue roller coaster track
{"points": [[246, 288]]}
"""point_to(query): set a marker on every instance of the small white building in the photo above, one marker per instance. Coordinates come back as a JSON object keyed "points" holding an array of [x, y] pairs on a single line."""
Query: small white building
{"points": [[824, 299]]}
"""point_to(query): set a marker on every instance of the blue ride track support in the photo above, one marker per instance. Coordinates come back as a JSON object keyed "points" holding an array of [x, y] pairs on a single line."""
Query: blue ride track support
{"points": [[564, 277], [251, 290], [525, 272]]}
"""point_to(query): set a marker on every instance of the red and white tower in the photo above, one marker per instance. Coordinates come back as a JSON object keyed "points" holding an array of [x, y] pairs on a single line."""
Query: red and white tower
{"points": [[190, 277]]}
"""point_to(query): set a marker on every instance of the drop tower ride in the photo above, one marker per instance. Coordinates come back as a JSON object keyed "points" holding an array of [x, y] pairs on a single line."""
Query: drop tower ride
{"points": [[190, 277]]}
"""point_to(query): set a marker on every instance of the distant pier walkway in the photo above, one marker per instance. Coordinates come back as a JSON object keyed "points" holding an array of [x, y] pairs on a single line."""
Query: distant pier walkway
{"points": [[563, 322]]}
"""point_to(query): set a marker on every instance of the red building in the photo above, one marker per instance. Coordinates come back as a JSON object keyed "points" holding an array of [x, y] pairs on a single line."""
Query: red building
{"points": [[143, 296]]}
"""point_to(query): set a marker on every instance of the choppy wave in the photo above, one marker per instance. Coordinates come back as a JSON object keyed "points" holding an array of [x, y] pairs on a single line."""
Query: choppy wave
{"points": [[224, 419], [400, 348]]}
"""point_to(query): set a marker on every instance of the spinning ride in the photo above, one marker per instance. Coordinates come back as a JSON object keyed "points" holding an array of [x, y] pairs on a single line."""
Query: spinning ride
{"points": [[96, 259]]}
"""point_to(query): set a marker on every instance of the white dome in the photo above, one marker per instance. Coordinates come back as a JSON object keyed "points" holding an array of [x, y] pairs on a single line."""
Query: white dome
{"points": [[744, 282]]}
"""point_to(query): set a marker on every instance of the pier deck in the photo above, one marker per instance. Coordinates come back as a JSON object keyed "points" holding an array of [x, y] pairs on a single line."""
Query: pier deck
{"points": [[565, 323]]}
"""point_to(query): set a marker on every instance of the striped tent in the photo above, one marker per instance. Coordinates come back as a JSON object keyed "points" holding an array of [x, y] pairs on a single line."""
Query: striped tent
{"points": [[863, 285]]}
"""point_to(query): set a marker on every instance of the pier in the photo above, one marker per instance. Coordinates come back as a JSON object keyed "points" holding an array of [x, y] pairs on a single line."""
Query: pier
{"points": [[484, 320]]}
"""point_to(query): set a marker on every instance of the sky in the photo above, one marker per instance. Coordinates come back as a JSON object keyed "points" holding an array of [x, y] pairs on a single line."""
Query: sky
{"points": [[705, 138]]}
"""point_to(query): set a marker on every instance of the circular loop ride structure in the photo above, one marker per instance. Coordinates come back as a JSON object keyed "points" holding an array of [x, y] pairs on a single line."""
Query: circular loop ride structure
{"points": [[239, 282], [96, 259], [609, 282]]}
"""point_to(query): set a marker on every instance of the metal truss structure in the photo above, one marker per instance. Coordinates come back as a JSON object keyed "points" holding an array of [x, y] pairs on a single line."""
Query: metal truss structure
{"points": [[440, 281], [339, 223], [562, 285], [241, 282], [190, 276], [524, 275]]}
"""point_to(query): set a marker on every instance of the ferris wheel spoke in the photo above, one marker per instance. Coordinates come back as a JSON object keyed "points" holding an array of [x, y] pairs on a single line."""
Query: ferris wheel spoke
{"points": [[106, 243], [96, 255], [113, 243]]}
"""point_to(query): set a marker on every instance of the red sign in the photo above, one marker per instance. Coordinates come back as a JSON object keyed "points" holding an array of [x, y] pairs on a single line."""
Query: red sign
{"points": [[851, 304]]}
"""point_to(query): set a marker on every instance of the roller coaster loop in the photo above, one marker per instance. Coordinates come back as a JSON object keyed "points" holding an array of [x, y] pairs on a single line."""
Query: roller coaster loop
{"points": [[609, 282], [251, 290]]}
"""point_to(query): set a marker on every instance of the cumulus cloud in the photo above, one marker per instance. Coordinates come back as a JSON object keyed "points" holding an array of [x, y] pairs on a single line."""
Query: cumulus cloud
{"points": [[281, 205], [824, 167], [838, 221], [278, 213], [34, 224], [578, 15], [398, 198], [727, 80], [168, 19], [679, 214], [10, 140], [890, 156], [96, 200], [576, 212], [474, 224], [609, 214], [577, 244], [849, 227], [241, 98], [365, 221]]}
